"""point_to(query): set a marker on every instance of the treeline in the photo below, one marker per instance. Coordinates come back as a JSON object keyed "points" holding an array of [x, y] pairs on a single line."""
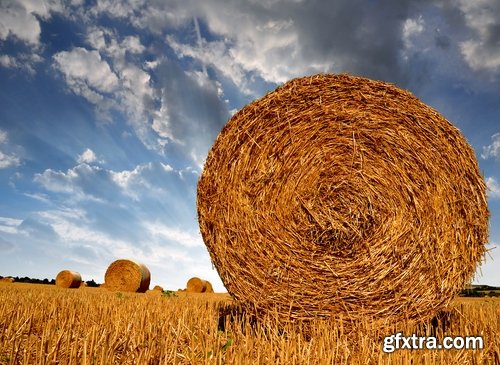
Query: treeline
{"points": [[480, 291], [25, 279]]}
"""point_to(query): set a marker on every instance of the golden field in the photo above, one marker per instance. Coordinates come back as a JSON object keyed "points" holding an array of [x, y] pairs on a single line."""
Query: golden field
{"points": [[44, 324]]}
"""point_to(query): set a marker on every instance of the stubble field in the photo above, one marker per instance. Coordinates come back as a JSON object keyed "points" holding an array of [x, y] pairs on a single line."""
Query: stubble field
{"points": [[43, 324]]}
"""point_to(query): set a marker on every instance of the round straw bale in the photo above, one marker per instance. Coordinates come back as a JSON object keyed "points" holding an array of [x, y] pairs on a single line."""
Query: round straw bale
{"points": [[83, 284], [340, 196], [7, 280], [68, 279], [197, 285], [158, 288], [127, 276], [208, 287]]}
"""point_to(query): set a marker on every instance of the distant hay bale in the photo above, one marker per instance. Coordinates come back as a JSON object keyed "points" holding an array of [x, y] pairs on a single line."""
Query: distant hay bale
{"points": [[68, 279], [158, 288], [83, 284], [127, 276], [197, 285], [7, 280], [339, 196], [209, 288]]}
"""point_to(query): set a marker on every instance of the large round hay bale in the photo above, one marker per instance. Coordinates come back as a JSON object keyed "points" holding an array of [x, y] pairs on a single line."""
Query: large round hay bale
{"points": [[197, 285], [68, 279], [341, 196], [127, 276]]}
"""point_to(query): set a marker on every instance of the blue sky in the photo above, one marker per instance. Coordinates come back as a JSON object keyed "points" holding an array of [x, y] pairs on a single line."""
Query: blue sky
{"points": [[109, 107]]}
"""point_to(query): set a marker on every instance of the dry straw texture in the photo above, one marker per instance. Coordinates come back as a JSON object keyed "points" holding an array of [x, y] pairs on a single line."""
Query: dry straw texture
{"points": [[341, 196], [7, 280], [197, 285], [68, 279], [127, 276]]}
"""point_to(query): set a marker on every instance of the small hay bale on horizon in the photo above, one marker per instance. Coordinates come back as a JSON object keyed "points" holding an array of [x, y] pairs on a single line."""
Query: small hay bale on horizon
{"points": [[197, 285], [7, 280], [157, 290], [127, 276], [68, 279], [340, 196]]}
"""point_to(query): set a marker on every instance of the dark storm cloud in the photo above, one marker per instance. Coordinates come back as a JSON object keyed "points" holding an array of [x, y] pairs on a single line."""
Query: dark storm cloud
{"points": [[365, 37]]}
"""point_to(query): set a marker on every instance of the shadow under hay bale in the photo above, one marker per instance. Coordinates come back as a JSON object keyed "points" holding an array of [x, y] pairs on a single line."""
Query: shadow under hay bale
{"points": [[68, 279], [197, 285], [443, 323], [127, 276], [338, 196], [233, 314]]}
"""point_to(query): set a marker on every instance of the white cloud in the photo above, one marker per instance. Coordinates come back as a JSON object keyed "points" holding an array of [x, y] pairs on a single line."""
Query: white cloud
{"points": [[133, 44], [167, 167], [270, 48], [172, 234], [90, 182], [493, 188], [23, 61], [9, 225], [83, 182], [8, 61], [81, 66], [18, 19], [492, 150], [134, 94], [480, 57], [412, 27], [56, 181], [38, 196], [130, 180], [87, 156], [7, 159], [107, 41], [216, 54], [482, 16], [118, 8]]}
